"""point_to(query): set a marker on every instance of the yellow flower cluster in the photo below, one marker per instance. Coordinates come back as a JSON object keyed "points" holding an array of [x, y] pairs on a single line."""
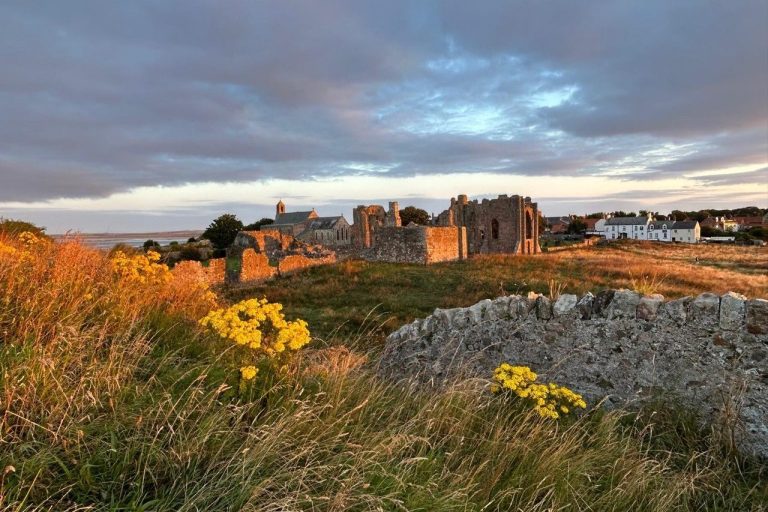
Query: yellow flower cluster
{"points": [[7, 250], [549, 400], [248, 372], [141, 268], [259, 325], [30, 239]]}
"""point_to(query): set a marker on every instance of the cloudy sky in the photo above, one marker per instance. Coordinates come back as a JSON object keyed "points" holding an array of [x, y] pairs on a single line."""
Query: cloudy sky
{"points": [[133, 116]]}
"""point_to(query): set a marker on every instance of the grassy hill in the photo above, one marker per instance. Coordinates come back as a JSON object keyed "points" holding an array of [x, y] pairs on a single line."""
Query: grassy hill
{"points": [[112, 397]]}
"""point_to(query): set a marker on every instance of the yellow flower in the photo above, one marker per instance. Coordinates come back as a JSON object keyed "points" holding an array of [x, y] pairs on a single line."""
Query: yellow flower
{"points": [[546, 399], [248, 372]]}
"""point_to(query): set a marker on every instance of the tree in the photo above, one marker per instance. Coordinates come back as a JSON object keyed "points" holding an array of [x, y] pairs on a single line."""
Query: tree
{"points": [[256, 226], [577, 226], [412, 214], [222, 231], [151, 244]]}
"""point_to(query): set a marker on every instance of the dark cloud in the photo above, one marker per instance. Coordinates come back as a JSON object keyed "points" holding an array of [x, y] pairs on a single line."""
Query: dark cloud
{"points": [[100, 97]]}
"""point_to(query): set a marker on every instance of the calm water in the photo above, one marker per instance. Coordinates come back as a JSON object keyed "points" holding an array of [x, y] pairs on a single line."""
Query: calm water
{"points": [[109, 240]]}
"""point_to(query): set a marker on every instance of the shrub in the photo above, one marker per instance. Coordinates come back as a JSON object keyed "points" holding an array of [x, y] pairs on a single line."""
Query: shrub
{"points": [[223, 230]]}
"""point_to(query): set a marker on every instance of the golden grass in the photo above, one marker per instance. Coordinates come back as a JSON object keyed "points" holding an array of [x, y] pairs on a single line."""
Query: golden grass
{"points": [[112, 399]]}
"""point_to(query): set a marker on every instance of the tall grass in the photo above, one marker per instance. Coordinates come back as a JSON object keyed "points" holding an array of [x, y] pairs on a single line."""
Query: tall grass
{"points": [[111, 399]]}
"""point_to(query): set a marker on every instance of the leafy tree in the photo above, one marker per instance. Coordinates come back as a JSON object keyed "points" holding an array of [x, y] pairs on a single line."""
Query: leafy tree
{"points": [[191, 240], [412, 214], [577, 226], [256, 226], [151, 244], [596, 215], [13, 227], [223, 230]]}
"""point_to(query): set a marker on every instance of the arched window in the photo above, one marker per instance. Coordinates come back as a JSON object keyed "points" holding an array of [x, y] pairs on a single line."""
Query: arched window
{"points": [[495, 229]]}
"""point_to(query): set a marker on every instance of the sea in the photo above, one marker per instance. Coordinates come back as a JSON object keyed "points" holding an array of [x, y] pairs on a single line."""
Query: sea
{"points": [[109, 240]]}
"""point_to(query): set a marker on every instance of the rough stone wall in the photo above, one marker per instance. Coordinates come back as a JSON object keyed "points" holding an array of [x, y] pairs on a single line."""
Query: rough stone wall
{"points": [[367, 220], [255, 267], [267, 242], [415, 244], [709, 352], [445, 244], [296, 262]]}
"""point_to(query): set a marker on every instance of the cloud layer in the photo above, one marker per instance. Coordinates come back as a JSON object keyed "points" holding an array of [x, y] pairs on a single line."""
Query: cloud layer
{"points": [[98, 98]]}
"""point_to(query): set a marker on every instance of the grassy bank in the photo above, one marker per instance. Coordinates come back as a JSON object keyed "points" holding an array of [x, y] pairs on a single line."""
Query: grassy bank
{"points": [[344, 294], [112, 398]]}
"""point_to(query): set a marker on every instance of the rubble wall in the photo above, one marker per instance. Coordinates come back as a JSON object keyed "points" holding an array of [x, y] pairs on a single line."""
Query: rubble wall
{"points": [[708, 352]]}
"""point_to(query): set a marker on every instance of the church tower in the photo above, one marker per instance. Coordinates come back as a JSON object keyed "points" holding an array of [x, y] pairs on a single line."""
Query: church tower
{"points": [[280, 209]]}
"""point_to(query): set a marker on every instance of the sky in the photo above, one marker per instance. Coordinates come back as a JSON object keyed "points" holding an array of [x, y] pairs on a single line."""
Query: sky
{"points": [[149, 115]]}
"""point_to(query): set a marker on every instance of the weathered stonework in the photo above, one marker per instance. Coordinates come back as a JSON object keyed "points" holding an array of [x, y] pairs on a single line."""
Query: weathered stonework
{"points": [[414, 244], [616, 346], [256, 267], [264, 255], [508, 225]]}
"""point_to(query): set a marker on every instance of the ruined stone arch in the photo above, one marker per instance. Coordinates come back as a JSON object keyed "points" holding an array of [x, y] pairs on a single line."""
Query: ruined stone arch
{"points": [[528, 225]]}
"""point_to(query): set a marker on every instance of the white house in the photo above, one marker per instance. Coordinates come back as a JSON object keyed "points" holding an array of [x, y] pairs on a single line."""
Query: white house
{"points": [[622, 228], [687, 231]]}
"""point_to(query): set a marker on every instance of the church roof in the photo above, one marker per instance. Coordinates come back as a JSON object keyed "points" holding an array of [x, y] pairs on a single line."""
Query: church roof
{"points": [[325, 222], [291, 218]]}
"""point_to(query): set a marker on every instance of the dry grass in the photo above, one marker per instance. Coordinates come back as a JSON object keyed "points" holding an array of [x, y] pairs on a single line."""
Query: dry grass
{"points": [[344, 294], [112, 400]]}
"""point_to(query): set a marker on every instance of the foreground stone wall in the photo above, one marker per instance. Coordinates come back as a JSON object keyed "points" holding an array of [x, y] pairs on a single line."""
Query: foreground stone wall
{"points": [[709, 352], [417, 244]]}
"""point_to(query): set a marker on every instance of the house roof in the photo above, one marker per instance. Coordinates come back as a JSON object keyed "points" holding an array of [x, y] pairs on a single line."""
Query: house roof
{"points": [[291, 218], [627, 221], [558, 220], [325, 222], [685, 224]]}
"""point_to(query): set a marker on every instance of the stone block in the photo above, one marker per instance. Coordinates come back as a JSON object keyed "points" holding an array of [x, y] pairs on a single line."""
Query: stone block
{"points": [[499, 308], [623, 305], [757, 316], [602, 301], [543, 308], [565, 305], [677, 310], [732, 309], [520, 307], [476, 312], [584, 305], [705, 310], [648, 307]]}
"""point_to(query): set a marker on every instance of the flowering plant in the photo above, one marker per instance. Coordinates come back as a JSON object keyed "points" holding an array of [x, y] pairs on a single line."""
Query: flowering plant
{"points": [[260, 326], [141, 268], [549, 400]]}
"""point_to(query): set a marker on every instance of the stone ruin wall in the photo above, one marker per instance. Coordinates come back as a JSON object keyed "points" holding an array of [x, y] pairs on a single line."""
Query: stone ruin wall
{"points": [[296, 262], [414, 244], [707, 353], [255, 267]]}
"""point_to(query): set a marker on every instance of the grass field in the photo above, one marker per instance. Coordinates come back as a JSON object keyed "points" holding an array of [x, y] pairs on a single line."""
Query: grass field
{"points": [[113, 398], [344, 294]]}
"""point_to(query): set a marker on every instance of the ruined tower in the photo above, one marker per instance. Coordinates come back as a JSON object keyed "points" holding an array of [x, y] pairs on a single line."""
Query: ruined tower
{"points": [[279, 209]]}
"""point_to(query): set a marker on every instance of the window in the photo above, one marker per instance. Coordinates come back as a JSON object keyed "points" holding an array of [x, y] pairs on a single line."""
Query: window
{"points": [[495, 229]]}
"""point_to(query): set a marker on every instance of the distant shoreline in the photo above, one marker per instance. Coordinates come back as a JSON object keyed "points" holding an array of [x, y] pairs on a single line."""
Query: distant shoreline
{"points": [[109, 240]]}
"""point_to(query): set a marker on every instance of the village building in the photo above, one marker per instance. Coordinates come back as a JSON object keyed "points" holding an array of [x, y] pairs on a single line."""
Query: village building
{"points": [[627, 228], [688, 231], [557, 225]]}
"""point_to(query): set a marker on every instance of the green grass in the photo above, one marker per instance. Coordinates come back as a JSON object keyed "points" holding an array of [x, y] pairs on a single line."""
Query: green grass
{"points": [[340, 297], [111, 403]]}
